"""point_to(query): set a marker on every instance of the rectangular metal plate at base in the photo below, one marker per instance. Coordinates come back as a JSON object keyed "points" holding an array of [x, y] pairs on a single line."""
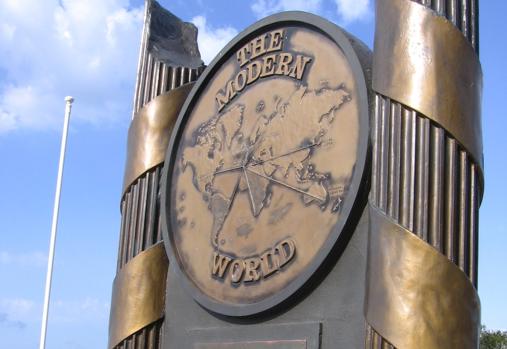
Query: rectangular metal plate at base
{"points": [[268, 336], [274, 344]]}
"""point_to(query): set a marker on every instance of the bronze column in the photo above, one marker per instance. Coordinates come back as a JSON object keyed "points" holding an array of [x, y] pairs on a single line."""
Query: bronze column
{"points": [[168, 65], [427, 155]]}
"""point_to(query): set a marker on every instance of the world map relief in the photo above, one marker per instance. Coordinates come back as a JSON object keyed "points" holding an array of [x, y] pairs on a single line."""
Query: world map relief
{"points": [[226, 159]]}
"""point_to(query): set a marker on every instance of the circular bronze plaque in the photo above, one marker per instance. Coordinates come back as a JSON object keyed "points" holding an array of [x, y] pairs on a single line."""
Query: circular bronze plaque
{"points": [[265, 163]]}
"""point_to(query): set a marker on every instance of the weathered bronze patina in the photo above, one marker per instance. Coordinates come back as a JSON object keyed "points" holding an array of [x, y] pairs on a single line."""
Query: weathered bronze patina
{"points": [[416, 297], [138, 294], [426, 178], [423, 61], [265, 165], [148, 139]]}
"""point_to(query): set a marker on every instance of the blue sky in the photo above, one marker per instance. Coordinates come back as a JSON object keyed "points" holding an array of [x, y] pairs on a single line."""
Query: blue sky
{"points": [[88, 49]]}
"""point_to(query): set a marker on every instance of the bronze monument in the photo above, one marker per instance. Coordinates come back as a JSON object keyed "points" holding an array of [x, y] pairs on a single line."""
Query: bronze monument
{"points": [[303, 191]]}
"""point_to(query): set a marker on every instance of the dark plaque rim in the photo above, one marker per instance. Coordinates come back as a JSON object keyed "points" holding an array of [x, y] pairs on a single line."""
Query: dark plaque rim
{"points": [[357, 185]]}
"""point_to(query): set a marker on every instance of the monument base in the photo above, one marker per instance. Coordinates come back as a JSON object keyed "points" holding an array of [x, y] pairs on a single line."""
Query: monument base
{"points": [[331, 316]]}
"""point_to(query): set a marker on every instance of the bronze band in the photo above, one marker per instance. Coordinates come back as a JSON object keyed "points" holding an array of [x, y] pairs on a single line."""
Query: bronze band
{"points": [[138, 294], [150, 131], [423, 61], [417, 298]]}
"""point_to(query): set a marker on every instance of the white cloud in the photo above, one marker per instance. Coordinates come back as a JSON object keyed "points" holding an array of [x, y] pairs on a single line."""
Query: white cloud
{"points": [[17, 312], [30, 259], [20, 311], [74, 311], [263, 8], [211, 40], [352, 10], [50, 49], [17, 307]]}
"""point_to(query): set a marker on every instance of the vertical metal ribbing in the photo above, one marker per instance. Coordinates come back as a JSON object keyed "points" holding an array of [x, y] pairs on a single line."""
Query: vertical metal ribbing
{"points": [[377, 341], [463, 209], [439, 6], [152, 337], [436, 179], [451, 193], [155, 80], [384, 153], [422, 178], [460, 235], [452, 11], [147, 81], [133, 222], [194, 73], [141, 73], [442, 206], [162, 86], [375, 152], [140, 223], [142, 339], [159, 221], [140, 226], [368, 338], [474, 224], [125, 233], [121, 240], [393, 204], [387, 345], [176, 77], [141, 214], [465, 18], [152, 215], [407, 169], [474, 24], [149, 337], [419, 164], [184, 75]]}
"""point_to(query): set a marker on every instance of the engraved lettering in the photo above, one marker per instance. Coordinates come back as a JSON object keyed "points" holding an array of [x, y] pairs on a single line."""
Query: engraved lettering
{"points": [[258, 46], [275, 43], [220, 264], [285, 250], [254, 71], [269, 264], [283, 64], [299, 67], [253, 268], [224, 98], [240, 83], [251, 272], [268, 68], [237, 269], [241, 55], [259, 65]]}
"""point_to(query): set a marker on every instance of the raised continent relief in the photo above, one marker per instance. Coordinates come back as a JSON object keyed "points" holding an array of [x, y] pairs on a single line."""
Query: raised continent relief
{"points": [[227, 160]]}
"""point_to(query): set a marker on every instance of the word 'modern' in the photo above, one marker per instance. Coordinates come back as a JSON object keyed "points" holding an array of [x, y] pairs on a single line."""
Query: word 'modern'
{"points": [[259, 62], [254, 268]]}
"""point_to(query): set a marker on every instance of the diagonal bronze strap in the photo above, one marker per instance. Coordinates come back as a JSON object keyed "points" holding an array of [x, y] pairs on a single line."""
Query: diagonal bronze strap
{"points": [[150, 131], [416, 298], [423, 61], [138, 294]]}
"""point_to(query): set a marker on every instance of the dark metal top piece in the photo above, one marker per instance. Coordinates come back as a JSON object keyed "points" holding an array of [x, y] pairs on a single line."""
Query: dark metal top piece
{"points": [[170, 40]]}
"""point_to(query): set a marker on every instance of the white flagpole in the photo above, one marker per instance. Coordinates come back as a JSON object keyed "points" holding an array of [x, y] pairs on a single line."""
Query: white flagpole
{"points": [[54, 224]]}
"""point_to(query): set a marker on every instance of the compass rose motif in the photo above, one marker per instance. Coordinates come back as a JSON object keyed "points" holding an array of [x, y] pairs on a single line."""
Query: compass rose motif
{"points": [[278, 151]]}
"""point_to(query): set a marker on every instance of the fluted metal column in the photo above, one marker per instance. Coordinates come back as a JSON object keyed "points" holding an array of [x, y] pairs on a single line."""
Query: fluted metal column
{"points": [[422, 177], [159, 72]]}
